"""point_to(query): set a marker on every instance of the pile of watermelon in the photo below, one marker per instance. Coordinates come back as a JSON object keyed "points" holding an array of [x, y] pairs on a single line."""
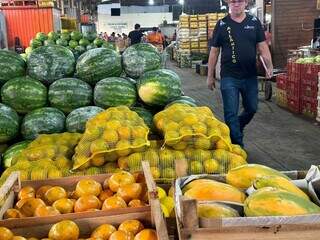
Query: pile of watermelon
{"points": [[52, 92], [77, 42]]}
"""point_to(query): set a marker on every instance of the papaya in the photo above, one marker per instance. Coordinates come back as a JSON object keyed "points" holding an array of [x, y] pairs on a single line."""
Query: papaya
{"points": [[196, 183], [216, 210], [280, 183], [243, 176], [215, 191], [271, 201]]}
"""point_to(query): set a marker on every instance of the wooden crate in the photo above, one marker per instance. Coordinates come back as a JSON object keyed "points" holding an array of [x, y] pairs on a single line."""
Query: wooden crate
{"points": [[190, 226], [13, 185]]}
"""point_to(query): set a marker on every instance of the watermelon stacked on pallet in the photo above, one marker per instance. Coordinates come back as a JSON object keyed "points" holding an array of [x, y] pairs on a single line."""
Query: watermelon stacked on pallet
{"points": [[77, 42], [59, 92]]}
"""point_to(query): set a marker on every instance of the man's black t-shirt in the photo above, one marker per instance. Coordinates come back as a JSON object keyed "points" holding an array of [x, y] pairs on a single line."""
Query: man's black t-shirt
{"points": [[135, 36], [238, 42]]}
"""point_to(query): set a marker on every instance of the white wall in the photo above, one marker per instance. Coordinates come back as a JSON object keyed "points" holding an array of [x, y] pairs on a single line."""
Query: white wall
{"points": [[125, 23]]}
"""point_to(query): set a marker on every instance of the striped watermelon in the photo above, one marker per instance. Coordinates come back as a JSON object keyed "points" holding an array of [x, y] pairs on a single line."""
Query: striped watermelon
{"points": [[185, 100], [77, 119], [146, 115], [42, 120], [159, 87], [12, 65], [140, 58], [13, 151], [9, 123], [24, 94], [97, 64], [68, 94], [115, 91], [50, 63]]}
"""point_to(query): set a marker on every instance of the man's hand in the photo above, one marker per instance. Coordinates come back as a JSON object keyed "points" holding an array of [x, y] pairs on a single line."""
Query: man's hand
{"points": [[211, 82]]}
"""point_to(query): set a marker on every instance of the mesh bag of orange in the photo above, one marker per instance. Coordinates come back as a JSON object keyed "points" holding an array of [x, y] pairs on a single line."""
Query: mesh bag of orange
{"points": [[48, 156], [114, 133], [184, 126], [167, 163]]}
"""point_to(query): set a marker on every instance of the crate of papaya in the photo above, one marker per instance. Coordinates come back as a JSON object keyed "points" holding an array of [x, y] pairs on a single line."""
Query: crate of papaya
{"points": [[49, 201], [251, 201]]}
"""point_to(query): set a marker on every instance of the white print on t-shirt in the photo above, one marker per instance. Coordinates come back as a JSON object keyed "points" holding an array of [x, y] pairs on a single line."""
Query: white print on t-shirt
{"points": [[249, 27]]}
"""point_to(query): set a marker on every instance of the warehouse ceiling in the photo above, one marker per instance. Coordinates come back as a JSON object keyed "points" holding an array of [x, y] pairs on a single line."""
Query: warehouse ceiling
{"points": [[190, 6]]}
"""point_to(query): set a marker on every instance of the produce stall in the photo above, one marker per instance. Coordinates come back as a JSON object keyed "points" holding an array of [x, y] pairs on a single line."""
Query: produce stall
{"points": [[78, 128]]}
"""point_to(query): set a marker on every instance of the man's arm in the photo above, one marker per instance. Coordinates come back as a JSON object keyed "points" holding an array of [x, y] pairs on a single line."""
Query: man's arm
{"points": [[266, 55], [213, 59]]}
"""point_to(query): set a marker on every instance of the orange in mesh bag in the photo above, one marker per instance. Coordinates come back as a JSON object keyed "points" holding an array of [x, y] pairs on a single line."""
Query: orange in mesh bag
{"points": [[185, 126], [111, 134], [50, 146]]}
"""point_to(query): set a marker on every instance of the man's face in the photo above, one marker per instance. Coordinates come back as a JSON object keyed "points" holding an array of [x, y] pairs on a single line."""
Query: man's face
{"points": [[237, 7]]}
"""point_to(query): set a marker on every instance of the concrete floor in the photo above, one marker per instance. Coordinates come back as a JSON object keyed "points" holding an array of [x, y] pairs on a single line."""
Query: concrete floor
{"points": [[275, 137]]}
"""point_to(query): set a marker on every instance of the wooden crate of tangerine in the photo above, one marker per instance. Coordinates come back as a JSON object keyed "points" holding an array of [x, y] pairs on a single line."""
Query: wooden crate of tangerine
{"points": [[52, 200], [194, 222]]}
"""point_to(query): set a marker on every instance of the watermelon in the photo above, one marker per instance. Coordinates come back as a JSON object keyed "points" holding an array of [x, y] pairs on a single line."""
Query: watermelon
{"points": [[184, 100], [91, 36], [80, 49], [24, 94], [49, 42], [77, 119], [9, 123], [109, 45], [68, 94], [133, 81], [73, 43], [84, 42], [24, 56], [53, 36], [13, 151], [146, 115], [90, 46], [114, 91], [34, 43], [41, 36], [62, 42], [76, 35], [65, 36], [42, 121], [97, 64], [12, 65], [140, 58], [98, 42], [159, 87], [50, 63], [28, 50]]}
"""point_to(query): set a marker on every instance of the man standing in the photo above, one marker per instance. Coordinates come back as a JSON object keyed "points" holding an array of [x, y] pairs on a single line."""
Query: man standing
{"points": [[238, 35], [135, 35]]}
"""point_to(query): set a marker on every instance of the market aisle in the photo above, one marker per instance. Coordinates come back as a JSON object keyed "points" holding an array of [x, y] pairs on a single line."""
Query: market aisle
{"points": [[275, 137]]}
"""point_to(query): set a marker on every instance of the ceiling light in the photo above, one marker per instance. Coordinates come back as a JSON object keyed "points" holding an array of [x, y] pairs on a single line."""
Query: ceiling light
{"points": [[151, 2], [181, 2]]}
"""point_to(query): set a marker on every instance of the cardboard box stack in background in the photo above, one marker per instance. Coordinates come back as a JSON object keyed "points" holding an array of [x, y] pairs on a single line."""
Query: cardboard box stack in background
{"points": [[183, 52], [193, 34]]}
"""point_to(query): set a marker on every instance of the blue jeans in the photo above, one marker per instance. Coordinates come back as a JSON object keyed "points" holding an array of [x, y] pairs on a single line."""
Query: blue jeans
{"points": [[231, 88]]}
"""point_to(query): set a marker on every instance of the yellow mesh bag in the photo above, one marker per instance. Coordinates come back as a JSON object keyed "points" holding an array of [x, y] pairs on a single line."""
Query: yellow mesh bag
{"points": [[167, 163], [184, 126], [48, 156], [111, 134]]}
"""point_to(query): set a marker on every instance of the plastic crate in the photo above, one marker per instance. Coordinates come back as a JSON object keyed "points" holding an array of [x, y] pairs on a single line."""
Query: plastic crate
{"points": [[294, 71], [281, 97], [309, 89], [282, 81], [309, 106], [293, 104], [309, 73]]}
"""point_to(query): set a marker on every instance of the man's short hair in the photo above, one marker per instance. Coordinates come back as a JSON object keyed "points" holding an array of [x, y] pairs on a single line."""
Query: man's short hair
{"points": [[137, 26], [154, 29]]}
